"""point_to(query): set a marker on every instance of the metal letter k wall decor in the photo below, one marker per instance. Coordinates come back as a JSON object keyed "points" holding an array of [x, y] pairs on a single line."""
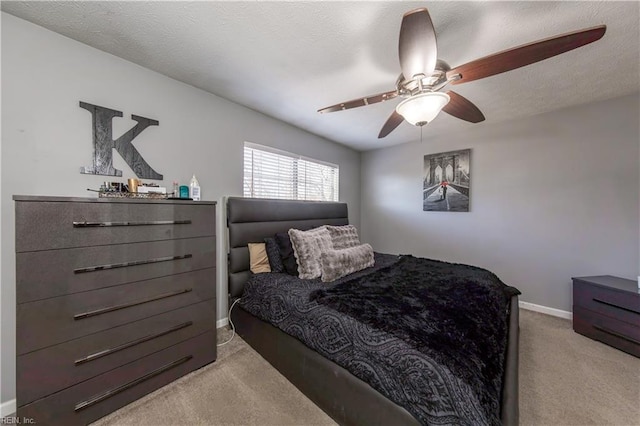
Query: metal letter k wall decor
{"points": [[103, 144]]}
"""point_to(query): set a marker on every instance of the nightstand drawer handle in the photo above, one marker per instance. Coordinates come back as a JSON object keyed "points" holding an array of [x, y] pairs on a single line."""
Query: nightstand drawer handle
{"points": [[132, 263], [108, 394], [86, 224], [615, 333], [128, 305], [106, 352], [615, 306]]}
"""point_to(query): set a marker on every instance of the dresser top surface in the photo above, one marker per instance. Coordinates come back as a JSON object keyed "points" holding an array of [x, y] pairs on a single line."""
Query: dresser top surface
{"points": [[610, 281], [48, 198]]}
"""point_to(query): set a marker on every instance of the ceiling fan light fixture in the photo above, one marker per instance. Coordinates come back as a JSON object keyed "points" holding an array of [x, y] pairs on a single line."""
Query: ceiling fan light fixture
{"points": [[421, 109]]}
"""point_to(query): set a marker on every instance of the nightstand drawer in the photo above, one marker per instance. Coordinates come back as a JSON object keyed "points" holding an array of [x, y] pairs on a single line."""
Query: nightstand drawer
{"points": [[610, 302], [618, 334], [94, 398], [67, 271], [52, 321], [56, 225], [49, 370]]}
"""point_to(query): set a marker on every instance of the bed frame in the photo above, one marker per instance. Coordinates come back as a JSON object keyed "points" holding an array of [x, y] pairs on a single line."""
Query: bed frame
{"points": [[344, 397]]}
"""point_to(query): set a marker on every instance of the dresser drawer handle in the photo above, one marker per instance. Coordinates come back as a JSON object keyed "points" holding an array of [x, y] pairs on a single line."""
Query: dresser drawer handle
{"points": [[127, 345], [615, 333], [615, 306], [86, 224], [108, 394], [132, 263], [128, 305]]}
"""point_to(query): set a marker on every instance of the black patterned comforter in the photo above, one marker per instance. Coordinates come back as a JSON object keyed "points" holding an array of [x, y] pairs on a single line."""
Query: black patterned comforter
{"points": [[430, 336]]}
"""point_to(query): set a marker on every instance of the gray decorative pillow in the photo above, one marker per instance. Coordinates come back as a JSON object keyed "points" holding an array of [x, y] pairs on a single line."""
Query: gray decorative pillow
{"points": [[339, 263], [343, 236], [307, 248]]}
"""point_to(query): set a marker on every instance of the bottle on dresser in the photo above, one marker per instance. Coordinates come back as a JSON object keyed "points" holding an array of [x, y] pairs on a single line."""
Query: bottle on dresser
{"points": [[194, 189]]}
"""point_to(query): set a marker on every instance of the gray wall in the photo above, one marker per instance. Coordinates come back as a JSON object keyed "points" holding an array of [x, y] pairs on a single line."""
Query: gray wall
{"points": [[46, 138], [552, 196]]}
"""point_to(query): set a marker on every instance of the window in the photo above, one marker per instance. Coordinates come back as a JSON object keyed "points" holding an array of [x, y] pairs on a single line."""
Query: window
{"points": [[271, 173]]}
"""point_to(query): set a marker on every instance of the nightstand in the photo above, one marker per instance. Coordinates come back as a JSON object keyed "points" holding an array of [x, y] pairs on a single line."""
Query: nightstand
{"points": [[607, 309]]}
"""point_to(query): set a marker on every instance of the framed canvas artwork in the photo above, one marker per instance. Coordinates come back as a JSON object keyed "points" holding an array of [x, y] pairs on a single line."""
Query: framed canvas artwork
{"points": [[446, 179]]}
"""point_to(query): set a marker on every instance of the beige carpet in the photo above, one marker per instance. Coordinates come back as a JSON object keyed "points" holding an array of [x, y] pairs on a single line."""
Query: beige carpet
{"points": [[565, 379], [569, 379], [240, 388]]}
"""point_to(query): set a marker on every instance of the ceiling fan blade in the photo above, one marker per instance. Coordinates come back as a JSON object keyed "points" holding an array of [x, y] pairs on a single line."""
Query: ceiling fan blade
{"points": [[392, 122], [373, 99], [462, 108], [417, 46], [527, 54]]}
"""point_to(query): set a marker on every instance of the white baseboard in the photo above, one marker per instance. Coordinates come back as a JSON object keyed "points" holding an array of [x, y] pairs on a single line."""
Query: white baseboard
{"points": [[546, 310], [222, 322], [8, 408]]}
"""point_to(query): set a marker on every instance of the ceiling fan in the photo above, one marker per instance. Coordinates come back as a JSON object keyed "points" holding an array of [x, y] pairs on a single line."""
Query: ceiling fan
{"points": [[424, 75]]}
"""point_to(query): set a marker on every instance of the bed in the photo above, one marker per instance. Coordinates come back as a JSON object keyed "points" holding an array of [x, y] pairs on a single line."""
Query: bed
{"points": [[341, 394]]}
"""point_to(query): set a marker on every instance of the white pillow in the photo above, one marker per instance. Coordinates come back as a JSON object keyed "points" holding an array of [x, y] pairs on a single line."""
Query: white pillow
{"points": [[307, 248]]}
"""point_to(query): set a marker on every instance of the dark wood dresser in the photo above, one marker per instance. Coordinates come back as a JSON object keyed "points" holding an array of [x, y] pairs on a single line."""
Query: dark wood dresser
{"points": [[607, 309], [115, 298]]}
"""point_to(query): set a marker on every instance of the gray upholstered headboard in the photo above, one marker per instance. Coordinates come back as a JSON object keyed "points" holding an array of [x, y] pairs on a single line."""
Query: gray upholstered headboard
{"points": [[250, 220]]}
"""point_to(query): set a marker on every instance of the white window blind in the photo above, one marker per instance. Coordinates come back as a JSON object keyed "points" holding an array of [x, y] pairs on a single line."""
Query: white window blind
{"points": [[271, 173]]}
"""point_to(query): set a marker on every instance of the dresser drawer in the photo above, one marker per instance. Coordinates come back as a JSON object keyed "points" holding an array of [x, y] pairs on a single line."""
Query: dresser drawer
{"points": [[49, 370], [44, 274], [607, 301], [94, 398], [56, 225], [52, 321], [618, 334]]}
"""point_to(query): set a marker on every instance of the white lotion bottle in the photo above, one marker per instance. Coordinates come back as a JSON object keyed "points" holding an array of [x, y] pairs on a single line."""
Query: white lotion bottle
{"points": [[194, 189]]}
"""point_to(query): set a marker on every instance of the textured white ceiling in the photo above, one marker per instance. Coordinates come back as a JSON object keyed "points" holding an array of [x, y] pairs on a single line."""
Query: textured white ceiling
{"points": [[288, 59]]}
